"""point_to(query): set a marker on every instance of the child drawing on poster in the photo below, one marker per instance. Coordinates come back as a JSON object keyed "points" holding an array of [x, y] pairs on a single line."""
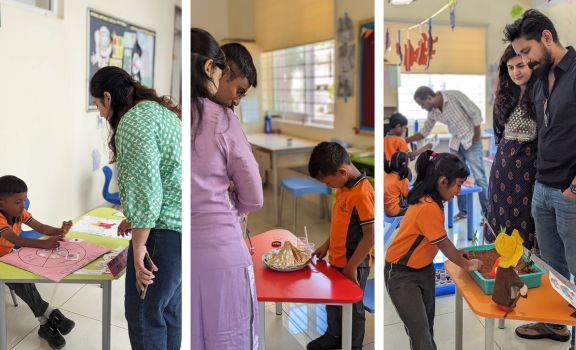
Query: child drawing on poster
{"points": [[103, 47], [561, 288]]}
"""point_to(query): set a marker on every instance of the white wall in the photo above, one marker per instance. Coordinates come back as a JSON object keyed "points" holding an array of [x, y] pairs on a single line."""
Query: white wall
{"points": [[47, 135]]}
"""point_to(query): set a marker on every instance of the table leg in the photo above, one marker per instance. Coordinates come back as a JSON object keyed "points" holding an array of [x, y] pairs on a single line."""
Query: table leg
{"points": [[262, 314], [275, 180], [278, 308], [347, 327], [450, 213], [106, 314], [470, 206], [3, 332], [458, 319], [489, 334]]}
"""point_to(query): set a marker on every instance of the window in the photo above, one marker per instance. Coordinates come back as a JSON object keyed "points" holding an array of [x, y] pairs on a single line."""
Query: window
{"points": [[298, 83], [47, 6], [471, 85]]}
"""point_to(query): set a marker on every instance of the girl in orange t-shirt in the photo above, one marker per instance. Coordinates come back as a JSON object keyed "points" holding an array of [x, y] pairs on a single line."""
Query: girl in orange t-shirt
{"points": [[396, 184], [409, 273]]}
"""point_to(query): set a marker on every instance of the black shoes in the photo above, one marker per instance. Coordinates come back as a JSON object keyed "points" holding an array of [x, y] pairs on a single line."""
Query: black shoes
{"points": [[325, 342], [63, 324], [50, 333], [53, 330]]}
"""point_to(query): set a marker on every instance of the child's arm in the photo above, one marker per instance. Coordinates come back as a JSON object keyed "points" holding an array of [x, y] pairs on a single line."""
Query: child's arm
{"points": [[454, 255], [49, 243], [321, 251], [50, 230], [419, 151], [362, 250]]}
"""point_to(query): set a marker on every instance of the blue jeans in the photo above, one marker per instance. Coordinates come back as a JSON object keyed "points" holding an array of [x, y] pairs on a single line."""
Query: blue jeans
{"points": [[554, 219], [155, 323], [475, 158]]}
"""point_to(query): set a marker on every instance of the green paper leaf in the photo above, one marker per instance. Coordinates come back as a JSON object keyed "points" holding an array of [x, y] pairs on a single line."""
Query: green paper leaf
{"points": [[517, 11]]}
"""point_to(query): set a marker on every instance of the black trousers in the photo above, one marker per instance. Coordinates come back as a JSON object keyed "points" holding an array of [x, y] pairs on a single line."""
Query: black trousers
{"points": [[30, 295], [334, 313], [414, 296]]}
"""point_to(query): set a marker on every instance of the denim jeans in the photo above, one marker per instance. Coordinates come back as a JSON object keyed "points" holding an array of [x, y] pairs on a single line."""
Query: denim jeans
{"points": [[155, 323], [554, 219], [475, 158]]}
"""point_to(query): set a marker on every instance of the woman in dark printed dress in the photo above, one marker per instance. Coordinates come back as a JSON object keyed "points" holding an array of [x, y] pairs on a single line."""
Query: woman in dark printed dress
{"points": [[514, 169]]}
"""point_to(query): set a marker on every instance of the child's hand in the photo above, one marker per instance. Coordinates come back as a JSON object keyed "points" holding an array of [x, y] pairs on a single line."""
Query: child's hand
{"points": [[231, 187], [321, 251], [66, 226], [351, 273], [124, 228], [524, 290], [428, 146], [50, 242], [473, 264]]}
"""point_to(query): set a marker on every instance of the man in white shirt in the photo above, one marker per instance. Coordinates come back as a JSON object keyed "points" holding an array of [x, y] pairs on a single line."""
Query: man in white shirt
{"points": [[463, 119]]}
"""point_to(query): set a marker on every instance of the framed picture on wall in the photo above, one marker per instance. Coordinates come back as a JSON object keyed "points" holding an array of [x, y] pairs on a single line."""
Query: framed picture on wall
{"points": [[115, 42]]}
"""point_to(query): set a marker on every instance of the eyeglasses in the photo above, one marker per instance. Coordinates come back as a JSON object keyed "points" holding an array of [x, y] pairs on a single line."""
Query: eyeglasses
{"points": [[546, 113]]}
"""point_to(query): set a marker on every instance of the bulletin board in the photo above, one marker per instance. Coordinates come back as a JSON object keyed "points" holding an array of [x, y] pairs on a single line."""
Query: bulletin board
{"points": [[366, 115], [115, 42]]}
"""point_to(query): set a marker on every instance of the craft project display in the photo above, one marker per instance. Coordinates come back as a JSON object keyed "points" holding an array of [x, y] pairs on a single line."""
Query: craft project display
{"points": [[55, 264], [98, 226], [287, 258]]}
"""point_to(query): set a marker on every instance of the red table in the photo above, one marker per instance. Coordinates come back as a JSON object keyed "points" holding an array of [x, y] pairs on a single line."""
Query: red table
{"points": [[315, 284]]}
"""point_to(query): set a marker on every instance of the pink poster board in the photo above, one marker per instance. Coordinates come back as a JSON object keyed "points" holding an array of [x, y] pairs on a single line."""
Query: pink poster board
{"points": [[55, 264]]}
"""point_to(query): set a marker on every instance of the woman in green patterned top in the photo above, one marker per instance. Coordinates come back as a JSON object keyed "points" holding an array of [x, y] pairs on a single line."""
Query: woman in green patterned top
{"points": [[145, 142]]}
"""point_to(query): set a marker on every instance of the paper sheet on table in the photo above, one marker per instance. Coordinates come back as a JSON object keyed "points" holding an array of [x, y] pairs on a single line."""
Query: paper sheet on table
{"points": [[98, 226], [567, 292], [55, 264]]}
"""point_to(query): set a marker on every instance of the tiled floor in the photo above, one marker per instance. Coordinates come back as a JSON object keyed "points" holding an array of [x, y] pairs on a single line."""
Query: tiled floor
{"points": [[299, 323], [444, 324]]}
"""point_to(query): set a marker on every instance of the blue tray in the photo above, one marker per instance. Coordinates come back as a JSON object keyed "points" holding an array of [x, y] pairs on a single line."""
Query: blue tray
{"points": [[445, 289]]}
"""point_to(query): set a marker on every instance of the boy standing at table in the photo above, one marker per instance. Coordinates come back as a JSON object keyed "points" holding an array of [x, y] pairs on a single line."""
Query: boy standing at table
{"points": [[351, 235], [13, 191]]}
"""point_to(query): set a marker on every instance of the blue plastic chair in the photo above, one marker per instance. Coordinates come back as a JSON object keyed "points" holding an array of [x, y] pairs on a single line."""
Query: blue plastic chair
{"points": [[368, 300], [298, 186], [394, 222], [114, 197]]}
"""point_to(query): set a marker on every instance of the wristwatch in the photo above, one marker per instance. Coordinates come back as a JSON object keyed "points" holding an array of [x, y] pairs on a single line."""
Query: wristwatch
{"points": [[573, 188]]}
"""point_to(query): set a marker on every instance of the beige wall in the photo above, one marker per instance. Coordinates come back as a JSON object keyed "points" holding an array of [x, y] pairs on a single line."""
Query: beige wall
{"points": [[358, 10], [47, 135], [494, 14]]}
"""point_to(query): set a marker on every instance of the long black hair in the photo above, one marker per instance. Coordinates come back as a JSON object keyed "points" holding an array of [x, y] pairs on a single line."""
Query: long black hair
{"points": [[204, 47], [398, 164], [126, 92], [430, 166], [508, 92]]}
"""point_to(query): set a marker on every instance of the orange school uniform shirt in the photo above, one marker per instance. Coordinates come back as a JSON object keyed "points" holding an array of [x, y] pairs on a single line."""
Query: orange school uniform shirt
{"points": [[393, 144], [393, 189], [14, 224], [353, 208], [415, 244]]}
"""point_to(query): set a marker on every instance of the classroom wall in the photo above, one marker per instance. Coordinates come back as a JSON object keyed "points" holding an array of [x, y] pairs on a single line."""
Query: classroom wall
{"points": [[494, 14], [47, 134]]}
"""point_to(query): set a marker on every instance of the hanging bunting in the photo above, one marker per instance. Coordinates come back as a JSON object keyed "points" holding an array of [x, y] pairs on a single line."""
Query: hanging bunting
{"points": [[409, 53], [387, 46], [452, 14], [431, 42], [399, 47], [421, 52]]}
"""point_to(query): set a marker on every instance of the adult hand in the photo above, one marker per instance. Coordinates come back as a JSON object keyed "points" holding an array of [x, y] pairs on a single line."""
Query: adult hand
{"points": [[231, 187], [568, 194], [144, 276], [124, 228], [321, 251], [351, 273]]}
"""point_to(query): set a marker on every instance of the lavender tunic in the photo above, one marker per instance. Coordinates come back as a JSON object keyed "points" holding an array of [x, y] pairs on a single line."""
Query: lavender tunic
{"points": [[224, 306]]}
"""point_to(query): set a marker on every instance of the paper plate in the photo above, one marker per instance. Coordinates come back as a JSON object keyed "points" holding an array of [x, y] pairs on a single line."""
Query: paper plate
{"points": [[282, 268]]}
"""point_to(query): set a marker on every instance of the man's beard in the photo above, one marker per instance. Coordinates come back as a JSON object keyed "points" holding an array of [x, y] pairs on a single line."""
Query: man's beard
{"points": [[542, 68]]}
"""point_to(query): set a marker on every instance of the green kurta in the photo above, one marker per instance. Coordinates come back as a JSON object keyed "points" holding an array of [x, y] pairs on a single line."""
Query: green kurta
{"points": [[149, 162]]}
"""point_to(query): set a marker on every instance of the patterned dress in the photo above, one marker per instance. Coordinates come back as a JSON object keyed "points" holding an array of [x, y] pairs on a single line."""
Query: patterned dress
{"points": [[512, 177]]}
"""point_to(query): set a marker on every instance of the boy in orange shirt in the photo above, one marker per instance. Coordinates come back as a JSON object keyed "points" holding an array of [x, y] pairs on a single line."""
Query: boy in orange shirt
{"points": [[351, 235], [13, 193], [394, 141]]}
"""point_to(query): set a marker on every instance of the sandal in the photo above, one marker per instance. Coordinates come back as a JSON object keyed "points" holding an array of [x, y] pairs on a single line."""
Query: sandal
{"points": [[541, 330], [460, 216]]}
